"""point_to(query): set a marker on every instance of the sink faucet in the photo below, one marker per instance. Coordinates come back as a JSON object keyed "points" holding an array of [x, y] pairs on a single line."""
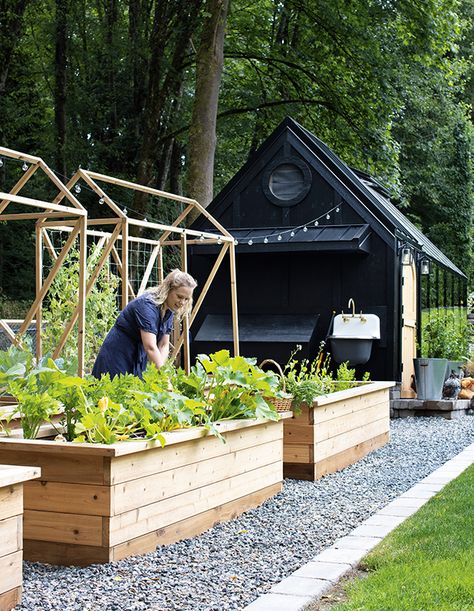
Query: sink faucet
{"points": [[353, 306]]}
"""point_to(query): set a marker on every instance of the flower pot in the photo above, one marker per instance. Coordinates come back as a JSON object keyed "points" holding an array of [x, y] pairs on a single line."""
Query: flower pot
{"points": [[430, 377]]}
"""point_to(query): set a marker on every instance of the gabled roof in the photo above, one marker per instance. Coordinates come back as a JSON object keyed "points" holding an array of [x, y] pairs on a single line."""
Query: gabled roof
{"points": [[380, 197], [371, 197]]}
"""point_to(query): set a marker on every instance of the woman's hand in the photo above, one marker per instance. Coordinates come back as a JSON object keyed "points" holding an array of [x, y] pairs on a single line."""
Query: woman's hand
{"points": [[157, 353]]}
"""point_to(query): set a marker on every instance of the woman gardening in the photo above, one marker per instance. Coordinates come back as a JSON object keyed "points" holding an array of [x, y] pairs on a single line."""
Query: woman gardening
{"points": [[142, 330]]}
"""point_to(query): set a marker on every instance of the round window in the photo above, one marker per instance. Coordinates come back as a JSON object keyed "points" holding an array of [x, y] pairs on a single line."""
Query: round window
{"points": [[286, 181]]}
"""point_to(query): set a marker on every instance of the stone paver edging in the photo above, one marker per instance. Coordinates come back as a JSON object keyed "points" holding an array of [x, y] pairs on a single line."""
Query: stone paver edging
{"points": [[312, 580]]}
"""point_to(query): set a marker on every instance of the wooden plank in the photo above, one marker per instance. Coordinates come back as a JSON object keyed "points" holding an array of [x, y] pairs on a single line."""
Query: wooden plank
{"points": [[294, 433], [11, 571], [58, 468], [10, 599], [147, 463], [163, 513], [345, 441], [11, 501], [364, 388], [62, 527], [11, 535], [173, 482], [350, 456], [194, 525], [298, 453], [64, 554], [15, 475], [349, 422], [68, 498], [347, 406]]}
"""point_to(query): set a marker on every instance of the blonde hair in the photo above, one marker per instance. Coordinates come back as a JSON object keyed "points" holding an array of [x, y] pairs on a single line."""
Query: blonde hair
{"points": [[174, 280]]}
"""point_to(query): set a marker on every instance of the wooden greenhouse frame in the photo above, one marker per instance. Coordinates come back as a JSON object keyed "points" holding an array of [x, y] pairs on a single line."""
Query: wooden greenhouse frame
{"points": [[76, 217], [121, 225]]}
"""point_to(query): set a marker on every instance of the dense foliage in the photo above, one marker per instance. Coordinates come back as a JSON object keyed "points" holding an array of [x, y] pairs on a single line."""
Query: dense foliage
{"points": [[219, 387], [112, 85]]}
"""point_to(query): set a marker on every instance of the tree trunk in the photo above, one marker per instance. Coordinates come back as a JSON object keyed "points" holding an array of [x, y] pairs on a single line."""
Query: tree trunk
{"points": [[11, 23], [60, 65], [202, 134], [180, 17]]}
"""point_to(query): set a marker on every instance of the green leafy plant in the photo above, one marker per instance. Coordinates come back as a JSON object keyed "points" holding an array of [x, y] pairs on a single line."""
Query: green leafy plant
{"points": [[445, 334], [307, 380], [101, 306], [235, 387]]}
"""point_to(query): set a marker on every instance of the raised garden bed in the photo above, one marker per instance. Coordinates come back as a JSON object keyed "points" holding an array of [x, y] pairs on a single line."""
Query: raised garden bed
{"points": [[99, 503], [11, 528], [336, 430]]}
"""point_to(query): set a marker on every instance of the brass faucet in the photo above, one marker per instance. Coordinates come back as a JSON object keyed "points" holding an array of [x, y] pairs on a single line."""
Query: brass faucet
{"points": [[353, 306]]}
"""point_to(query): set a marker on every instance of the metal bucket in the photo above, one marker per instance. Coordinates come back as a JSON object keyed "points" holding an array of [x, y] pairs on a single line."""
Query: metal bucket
{"points": [[430, 377]]}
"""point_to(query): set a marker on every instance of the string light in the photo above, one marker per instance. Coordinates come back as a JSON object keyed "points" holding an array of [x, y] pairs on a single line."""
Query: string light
{"points": [[236, 242], [219, 241], [24, 167], [77, 188], [292, 231], [1, 162], [201, 237], [101, 201], [124, 210]]}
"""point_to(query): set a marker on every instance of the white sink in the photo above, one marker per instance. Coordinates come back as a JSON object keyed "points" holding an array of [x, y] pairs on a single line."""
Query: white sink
{"points": [[358, 326]]}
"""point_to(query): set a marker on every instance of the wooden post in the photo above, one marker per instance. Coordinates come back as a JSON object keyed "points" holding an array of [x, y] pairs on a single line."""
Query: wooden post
{"points": [[39, 283], [81, 321], [233, 294], [124, 262], [184, 267]]}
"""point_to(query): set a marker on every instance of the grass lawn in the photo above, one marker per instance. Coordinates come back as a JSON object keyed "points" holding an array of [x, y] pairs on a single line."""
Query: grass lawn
{"points": [[428, 562]]}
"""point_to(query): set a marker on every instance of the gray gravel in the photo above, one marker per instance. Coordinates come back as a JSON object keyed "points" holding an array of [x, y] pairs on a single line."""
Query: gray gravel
{"points": [[233, 563]]}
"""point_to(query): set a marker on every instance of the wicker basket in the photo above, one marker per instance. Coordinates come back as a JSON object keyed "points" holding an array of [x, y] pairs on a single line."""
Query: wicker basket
{"points": [[283, 403]]}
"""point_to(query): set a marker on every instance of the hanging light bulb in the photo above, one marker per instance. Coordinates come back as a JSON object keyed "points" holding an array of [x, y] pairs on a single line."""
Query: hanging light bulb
{"points": [[124, 210], [328, 216], [265, 241], [337, 209], [236, 242], [250, 242], [279, 238], [201, 237], [292, 234], [305, 229], [101, 201], [145, 219], [24, 167], [1, 162], [316, 223], [219, 241], [77, 188]]}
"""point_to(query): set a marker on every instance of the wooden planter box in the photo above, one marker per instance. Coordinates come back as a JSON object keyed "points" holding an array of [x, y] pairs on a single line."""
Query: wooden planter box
{"points": [[337, 430], [11, 532], [99, 503]]}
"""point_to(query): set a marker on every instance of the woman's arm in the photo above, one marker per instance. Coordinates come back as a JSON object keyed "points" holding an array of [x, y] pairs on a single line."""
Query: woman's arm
{"points": [[157, 353]]}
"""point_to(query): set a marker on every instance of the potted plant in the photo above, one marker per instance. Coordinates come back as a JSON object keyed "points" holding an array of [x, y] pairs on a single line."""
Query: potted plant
{"points": [[444, 348]]}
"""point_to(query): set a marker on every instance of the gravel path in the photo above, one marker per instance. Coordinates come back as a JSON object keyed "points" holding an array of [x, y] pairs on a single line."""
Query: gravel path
{"points": [[233, 563]]}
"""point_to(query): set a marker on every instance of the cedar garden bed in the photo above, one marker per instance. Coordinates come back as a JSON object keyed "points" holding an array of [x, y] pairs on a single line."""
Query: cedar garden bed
{"points": [[100, 503], [337, 430], [11, 528]]}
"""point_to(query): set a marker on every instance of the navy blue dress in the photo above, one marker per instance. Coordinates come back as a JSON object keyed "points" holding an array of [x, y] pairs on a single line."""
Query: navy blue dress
{"points": [[122, 350]]}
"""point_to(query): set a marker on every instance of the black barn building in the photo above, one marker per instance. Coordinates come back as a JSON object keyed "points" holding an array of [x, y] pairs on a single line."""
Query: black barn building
{"points": [[312, 233]]}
